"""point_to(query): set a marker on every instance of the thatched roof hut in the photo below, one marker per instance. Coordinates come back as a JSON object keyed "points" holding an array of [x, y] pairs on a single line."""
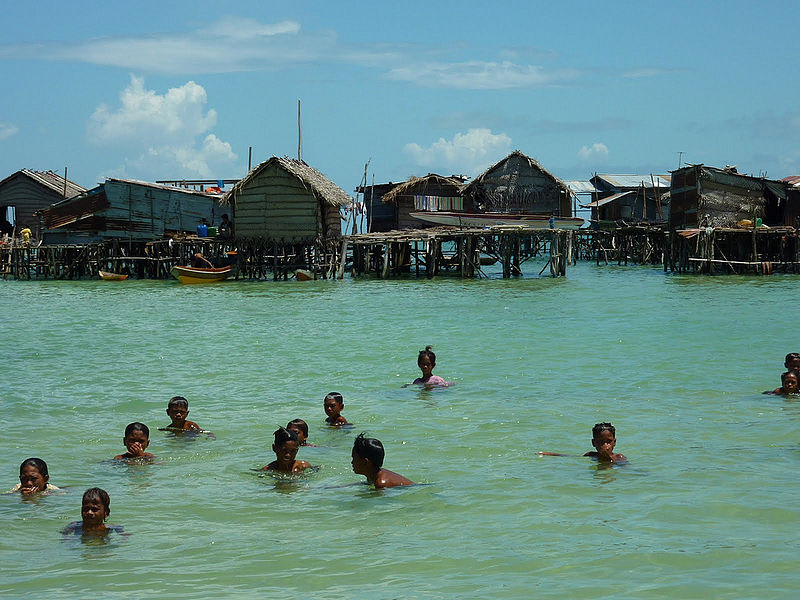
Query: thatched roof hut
{"points": [[286, 199], [432, 192], [518, 183]]}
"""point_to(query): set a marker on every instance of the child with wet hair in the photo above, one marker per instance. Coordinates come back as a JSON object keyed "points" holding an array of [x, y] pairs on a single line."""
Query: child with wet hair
{"points": [[792, 362], [333, 405], [367, 460], [136, 440], [33, 478], [300, 427], [604, 440], [178, 410], [95, 509], [426, 361], [790, 384], [285, 447]]}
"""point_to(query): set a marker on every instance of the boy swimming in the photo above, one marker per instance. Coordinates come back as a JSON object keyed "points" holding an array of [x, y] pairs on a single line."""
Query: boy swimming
{"points": [[178, 410], [300, 427], [285, 447], [790, 384], [367, 460], [136, 440], [426, 361], [603, 439], [95, 509], [333, 405], [792, 362], [33, 478]]}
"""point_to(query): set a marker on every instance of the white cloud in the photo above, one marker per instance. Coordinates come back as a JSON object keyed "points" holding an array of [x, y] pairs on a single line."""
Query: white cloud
{"points": [[7, 130], [166, 134], [596, 152], [469, 152], [479, 75]]}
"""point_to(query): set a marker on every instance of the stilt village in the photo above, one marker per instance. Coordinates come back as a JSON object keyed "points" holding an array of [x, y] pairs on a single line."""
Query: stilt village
{"points": [[285, 219]]}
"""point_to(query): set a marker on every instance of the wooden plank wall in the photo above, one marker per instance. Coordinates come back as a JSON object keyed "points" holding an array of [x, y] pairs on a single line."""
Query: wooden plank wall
{"points": [[27, 196], [275, 205]]}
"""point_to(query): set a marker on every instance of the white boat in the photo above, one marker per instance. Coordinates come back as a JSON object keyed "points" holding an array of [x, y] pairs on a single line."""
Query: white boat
{"points": [[528, 221]]}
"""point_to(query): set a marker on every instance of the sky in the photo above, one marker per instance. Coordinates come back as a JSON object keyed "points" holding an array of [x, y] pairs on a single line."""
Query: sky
{"points": [[182, 90]]}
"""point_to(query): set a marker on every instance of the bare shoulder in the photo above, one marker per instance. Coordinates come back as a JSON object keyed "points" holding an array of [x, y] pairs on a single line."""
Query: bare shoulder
{"points": [[387, 478], [191, 426], [301, 465]]}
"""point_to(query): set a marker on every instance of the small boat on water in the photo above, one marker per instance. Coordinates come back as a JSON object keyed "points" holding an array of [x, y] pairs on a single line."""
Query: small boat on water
{"points": [[529, 220], [197, 275], [303, 275], [107, 276]]}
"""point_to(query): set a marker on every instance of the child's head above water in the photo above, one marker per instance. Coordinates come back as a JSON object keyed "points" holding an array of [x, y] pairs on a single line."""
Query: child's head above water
{"points": [[604, 438], [300, 428], [426, 361], [136, 440], [178, 410], [367, 449], [792, 361], [790, 382], [95, 507], [333, 405], [132, 429], [33, 476], [600, 427]]}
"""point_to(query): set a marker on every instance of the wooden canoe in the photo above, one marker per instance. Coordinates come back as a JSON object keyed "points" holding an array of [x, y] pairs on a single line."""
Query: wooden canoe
{"points": [[106, 276], [197, 275], [303, 275], [522, 220]]}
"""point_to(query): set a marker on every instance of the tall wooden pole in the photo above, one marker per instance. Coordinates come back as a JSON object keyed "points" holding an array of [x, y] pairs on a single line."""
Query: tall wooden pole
{"points": [[299, 134]]}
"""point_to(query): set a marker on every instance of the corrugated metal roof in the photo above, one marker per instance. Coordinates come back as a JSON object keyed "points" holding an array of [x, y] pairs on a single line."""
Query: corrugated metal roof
{"points": [[635, 181], [52, 180], [605, 201], [161, 186], [581, 187], [793, 180]]}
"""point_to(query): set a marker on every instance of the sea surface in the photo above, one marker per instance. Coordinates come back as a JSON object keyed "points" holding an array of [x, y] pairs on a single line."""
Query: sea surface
{"points": [[707, 506]]}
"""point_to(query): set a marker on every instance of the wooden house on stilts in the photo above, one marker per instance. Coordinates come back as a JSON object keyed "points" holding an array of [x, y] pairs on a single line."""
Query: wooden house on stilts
{"points": [[288, 213], [519, 184], [430, 193]]}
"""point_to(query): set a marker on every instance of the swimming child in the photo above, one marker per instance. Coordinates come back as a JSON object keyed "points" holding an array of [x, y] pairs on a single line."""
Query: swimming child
{"points": [[178, 410], [136, 440], [300, 427], [333, 404], [367, 460], [792, 362], [790, 384], [285, 447], [95, 509], [33, 478], [426, 361], [603, 439]]}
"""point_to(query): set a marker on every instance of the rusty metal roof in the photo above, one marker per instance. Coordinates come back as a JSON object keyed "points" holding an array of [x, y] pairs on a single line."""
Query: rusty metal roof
{"points": [[792, 180]]}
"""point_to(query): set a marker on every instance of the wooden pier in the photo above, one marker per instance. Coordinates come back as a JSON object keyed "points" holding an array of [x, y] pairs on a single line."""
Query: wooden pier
{"points": [[461, 252], [254, 258]]}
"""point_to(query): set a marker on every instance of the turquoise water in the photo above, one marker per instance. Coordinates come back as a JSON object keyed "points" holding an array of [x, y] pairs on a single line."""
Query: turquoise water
{"points": [[706, 508]]}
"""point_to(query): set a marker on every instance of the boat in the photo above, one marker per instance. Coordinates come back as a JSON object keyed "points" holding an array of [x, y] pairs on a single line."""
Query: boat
{"points": [[526, 220], [107, 276], [198, 275], [303, 275]]}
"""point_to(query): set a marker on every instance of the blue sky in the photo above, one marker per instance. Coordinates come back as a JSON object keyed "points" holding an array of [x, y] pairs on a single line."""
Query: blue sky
{"points": [[157, 90]]}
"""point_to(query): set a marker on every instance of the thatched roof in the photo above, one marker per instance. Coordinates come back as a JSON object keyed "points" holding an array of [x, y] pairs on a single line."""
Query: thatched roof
{"points": [[314, 181], [431, 178], [533, 163]]}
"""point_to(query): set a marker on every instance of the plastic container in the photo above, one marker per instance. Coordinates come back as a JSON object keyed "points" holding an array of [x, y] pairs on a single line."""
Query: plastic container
{"points": [[202, 231], [212, 232]]}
